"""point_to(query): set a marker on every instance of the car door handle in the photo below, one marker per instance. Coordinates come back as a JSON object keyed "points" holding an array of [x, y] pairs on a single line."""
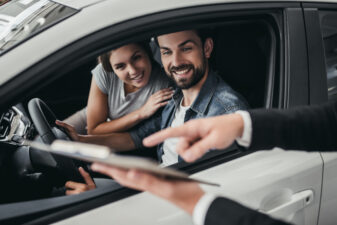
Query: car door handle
{"points": [[296, 202]]}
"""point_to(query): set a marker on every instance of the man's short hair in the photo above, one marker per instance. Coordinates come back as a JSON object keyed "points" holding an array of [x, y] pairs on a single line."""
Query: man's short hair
{"points": [[203, 34], [104, 59]]}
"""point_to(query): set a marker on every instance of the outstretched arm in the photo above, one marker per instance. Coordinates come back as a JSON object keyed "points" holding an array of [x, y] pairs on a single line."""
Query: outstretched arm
{"points": [[308, 128], [198, 136], [187, 195], [183, 194], [117, 141]]}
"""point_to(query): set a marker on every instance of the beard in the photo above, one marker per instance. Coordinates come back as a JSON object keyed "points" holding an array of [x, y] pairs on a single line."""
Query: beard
{"points": [[197, 74]]}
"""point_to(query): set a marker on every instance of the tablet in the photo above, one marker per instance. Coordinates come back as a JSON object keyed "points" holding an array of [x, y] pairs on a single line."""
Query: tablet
{"points": [[102, 154]]}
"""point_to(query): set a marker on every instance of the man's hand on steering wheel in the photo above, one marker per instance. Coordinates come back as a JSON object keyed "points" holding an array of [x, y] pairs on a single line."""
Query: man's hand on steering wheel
{"points": [[70, 130], [60, 167]]}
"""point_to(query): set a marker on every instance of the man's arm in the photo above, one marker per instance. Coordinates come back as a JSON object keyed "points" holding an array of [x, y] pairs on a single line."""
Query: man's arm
{"points": [[198, 136], [117, 141], [183, 194], [225, 211], [310, 128]]}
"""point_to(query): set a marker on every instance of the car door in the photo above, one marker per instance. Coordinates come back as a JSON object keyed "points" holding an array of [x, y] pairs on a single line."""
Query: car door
{"points": [[322, 44], [283, 184]]}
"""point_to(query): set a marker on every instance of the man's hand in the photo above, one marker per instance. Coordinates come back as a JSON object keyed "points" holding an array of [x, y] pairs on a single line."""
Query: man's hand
{"points": [[76, 188], [183, 194], [69, 129], [198, 136]]}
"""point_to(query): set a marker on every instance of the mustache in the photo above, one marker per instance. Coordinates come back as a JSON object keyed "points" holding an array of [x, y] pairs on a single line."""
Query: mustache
{"points": [[181, 67]]}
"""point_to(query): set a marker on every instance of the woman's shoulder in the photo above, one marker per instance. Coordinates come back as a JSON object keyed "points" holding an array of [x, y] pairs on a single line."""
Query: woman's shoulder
{"points": [[104, 80]]}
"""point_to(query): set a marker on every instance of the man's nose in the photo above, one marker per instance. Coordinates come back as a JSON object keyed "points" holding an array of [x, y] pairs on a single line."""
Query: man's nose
{"points": [[176, 60]]}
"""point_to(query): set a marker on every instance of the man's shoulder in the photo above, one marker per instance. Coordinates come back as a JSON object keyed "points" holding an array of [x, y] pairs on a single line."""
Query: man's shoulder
{"points": [[228, 98]]}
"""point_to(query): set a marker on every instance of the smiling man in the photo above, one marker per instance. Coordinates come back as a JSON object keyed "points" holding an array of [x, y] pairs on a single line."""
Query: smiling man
{"points": [[200, 93]]}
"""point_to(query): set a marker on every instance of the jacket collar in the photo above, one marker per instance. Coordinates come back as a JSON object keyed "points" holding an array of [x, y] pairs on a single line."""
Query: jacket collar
{"points": [[204, 97]]}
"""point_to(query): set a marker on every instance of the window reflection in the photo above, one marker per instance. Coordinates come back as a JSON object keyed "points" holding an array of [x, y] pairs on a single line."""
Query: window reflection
{"points": [[329, 31]]}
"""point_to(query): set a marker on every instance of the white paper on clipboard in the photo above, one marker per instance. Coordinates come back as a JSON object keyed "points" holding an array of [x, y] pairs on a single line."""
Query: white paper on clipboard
{"points": [[105, 155]]}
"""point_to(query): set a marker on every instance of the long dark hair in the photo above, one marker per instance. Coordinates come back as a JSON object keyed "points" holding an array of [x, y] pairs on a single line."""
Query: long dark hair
{"points": [[104, 59]]}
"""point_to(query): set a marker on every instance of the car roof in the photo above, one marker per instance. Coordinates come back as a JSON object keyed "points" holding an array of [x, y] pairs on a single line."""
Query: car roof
{"points": [[78, 4], [92, 16]]}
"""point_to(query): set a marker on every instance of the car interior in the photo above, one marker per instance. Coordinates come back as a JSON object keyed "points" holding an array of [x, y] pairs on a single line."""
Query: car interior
{"points": [[244, 56]]}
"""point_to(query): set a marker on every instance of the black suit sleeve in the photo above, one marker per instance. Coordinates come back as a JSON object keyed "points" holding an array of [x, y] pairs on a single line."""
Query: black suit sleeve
{"points": [[311, 128], [227, 212]]}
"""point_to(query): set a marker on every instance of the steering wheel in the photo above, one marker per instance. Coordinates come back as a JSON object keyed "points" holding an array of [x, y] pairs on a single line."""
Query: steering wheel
{"points": [[62, 168]]}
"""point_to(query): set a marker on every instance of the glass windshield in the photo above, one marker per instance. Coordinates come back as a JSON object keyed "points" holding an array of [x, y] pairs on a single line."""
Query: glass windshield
{"points": [[21, 19]]}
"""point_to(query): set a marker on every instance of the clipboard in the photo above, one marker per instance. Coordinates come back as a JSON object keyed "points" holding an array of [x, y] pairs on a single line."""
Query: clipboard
{"points": [[105, 155]]}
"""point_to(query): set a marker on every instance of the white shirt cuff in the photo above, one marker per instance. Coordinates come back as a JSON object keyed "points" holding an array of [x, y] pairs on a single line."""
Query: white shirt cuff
{"points": [[201, 208], [246, 138]]}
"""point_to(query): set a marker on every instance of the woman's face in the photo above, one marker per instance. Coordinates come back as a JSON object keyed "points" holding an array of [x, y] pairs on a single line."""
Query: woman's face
{"points": [[132, 65]]}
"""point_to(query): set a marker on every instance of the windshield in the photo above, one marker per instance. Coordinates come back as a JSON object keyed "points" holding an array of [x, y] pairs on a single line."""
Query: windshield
{"points": [[21, 19]]}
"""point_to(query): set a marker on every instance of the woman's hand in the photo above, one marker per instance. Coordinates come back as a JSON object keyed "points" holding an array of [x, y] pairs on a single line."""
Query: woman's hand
{"points": [[155, 101], [69, 129], [77, 188]]}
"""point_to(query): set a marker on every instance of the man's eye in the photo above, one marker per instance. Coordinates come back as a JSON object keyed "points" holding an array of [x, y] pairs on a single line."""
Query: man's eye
{"points": [[165, 52], [186, 49]]}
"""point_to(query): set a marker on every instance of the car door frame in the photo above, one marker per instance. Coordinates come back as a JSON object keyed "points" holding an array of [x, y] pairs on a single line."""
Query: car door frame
{"points": [[318, 95]]}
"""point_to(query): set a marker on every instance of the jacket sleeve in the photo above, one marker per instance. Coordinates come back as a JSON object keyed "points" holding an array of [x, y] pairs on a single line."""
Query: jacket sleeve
{"points": [[224, 211], [145, 128], [310, 128]]}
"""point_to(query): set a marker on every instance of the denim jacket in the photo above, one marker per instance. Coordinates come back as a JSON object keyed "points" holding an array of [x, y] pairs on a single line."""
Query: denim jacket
{"points": [[215, 98]]}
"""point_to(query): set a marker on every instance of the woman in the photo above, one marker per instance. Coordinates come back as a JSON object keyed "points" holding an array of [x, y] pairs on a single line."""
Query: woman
{"points": [[128, 86]]}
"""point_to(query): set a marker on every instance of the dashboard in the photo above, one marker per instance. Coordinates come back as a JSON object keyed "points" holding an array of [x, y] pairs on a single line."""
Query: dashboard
{"points": [[15, 127]]}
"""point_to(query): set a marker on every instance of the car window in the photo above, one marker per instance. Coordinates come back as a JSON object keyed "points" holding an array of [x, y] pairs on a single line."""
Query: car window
{"points": [[329, 32], [21, 19]]}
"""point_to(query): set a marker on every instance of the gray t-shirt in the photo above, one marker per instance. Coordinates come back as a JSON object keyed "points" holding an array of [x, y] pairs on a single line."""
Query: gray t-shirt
{"points": [[119, 104]]}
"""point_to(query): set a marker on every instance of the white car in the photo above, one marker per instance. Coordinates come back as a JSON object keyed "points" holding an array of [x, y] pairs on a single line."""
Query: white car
{"points": [[276, 54]]}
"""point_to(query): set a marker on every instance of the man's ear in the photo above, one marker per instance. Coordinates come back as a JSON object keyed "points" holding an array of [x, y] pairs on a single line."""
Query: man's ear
{"points": [[208, 47]]}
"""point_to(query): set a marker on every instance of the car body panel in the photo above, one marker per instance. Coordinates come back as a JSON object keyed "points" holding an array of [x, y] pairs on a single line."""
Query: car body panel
{"points": [[254, 180], [328, 208], [78, 4]]}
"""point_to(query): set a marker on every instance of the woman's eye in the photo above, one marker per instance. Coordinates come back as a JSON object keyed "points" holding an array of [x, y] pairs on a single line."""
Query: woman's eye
{"points": [[119, 67], [136, 57]]}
